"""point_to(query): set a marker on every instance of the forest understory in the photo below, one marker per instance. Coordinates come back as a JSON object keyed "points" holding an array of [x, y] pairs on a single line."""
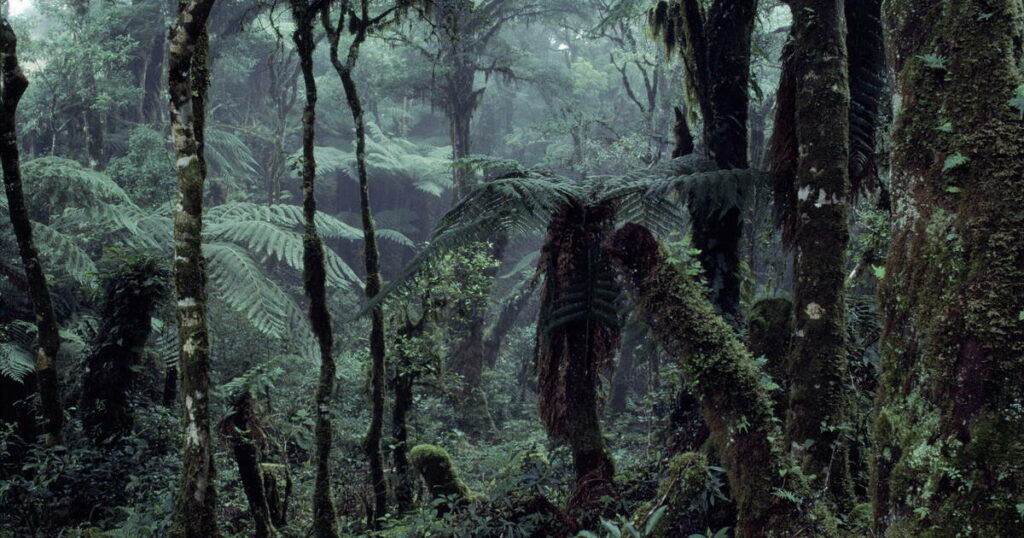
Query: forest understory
{"points": [[512, 268]]}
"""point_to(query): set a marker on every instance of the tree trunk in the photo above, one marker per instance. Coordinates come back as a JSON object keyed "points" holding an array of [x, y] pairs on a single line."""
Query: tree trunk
{"points": [[188, 78], [948, 431], [578, 334], [247, 440], [623, 378], [371, 255], [14, 85], [728, 384], [403, 382], [314, 279], [818, 363]]}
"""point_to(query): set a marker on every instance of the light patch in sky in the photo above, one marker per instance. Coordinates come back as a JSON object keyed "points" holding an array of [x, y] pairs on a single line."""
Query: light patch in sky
{"points": [[19, 6]]}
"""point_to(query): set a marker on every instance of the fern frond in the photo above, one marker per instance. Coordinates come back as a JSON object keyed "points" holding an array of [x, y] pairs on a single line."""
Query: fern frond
{"points": [[240, 282], [64, 253]]}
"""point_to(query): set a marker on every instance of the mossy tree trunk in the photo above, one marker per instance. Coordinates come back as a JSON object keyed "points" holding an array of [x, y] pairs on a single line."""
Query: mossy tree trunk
{"points": [[14, 85], [578, 334], [360, 23], [188, 79], [949, 431], [314, 276], [729, 385], [818, 364]]}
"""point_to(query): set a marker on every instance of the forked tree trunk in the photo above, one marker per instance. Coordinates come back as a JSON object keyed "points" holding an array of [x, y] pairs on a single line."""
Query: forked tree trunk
{"points": [[728, 383], [817, 362], [244, 434], [359, 24], [188, 78], [14, 85], [948, 432], [314, 278]]}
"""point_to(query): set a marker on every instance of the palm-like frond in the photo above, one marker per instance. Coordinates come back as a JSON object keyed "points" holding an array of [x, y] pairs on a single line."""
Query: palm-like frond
{"points": [[54, 183], [64, 253]]}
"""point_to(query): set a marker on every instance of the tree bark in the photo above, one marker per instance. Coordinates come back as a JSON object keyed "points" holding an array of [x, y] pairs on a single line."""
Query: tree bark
{"points": [[818, 363], [188, 79], [14, 85], [247, 440], [314, 276], [948, 431], [360, 23], [728, 383]]}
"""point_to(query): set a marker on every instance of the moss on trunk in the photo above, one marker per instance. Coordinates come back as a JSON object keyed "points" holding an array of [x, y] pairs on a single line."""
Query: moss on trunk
{"points": [[949, 433], [818, 360], [771, 499], [439, 474]]}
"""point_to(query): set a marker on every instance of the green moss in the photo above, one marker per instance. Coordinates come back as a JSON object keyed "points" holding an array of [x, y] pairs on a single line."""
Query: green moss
{"points": [[435, 466], [687, 479]]}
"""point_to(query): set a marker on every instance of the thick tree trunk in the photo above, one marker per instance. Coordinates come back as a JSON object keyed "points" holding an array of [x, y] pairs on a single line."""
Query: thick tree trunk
{"points": [[314, 279], [728, 384], [188, 78], [14, 85], [578, 334], [818, 363], [371, 254], [948, 432]]}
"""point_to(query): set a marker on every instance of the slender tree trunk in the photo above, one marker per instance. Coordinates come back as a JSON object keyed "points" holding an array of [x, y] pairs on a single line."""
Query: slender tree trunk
{"points": [[188, 79], [818, 364], [314, 278], [242, 430], [727, 382], [622, 381], [14, 85], [948, 431], [371, 255], [502, 326], [403, 383]]}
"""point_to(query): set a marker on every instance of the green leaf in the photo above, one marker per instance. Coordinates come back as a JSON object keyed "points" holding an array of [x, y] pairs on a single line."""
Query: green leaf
{"points": [[953, 189], [653, 520], [946, 127], [954, 160], [933, 61]]}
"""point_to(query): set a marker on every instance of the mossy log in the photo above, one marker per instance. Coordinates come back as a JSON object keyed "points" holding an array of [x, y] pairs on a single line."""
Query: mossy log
{"points": [[734, 399]]}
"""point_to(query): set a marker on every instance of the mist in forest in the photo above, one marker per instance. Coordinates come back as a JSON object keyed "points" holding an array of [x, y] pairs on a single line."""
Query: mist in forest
{"points": [[512, 268]]}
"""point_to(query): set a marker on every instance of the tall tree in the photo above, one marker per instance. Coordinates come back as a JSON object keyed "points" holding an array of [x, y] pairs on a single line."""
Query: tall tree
{"points": [[188, 79], [714, 43], [948, 432], [314, 273], [48, 336], [359, 24], [817, 360]]}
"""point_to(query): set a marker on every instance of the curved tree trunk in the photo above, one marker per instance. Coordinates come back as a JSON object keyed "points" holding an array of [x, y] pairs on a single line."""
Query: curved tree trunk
{"points": [[188, 78], [14, 85], [948, 432], [817, 363], [728, 383], [314, 278]]}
